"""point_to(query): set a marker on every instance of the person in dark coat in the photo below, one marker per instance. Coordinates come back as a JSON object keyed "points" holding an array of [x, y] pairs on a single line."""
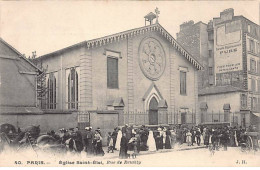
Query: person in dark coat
{"points": [[123, 147], [225, 139], [198, 134], [138, 145], [144, 137], [193, 136], [78, 140], [97, 142], [114, 136], [207, 135], [157, 139], [168, 139], [124, 129], [214, 140], [89, 141], [160, 138]]}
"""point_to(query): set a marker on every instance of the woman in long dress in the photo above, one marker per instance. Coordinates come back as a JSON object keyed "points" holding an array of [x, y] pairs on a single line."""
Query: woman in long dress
{"points": [[173, 138], [168, 139], [164, 136], [118, 139], [123, 147], [151, 142], [160, 144], [188, 134], [98, 144]]}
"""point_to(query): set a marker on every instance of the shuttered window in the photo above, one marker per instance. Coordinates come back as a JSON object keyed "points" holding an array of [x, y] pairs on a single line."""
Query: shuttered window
{"points": [[243, 101], [252, 65], [183, 83], [112, 73], [252, 46], [253, 85]]}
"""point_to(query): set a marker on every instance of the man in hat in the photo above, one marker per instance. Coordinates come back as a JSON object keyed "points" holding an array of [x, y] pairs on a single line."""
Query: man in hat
{"points": [[65, 136], [124, 128]]}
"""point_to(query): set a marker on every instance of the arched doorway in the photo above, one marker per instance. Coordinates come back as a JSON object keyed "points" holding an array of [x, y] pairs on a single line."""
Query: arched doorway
{"points": [[153, 112]]}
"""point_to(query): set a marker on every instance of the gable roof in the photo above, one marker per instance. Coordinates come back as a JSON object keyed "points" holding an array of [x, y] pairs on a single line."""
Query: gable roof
{"points": [[150, 89], [132, 33], [19, 54]]}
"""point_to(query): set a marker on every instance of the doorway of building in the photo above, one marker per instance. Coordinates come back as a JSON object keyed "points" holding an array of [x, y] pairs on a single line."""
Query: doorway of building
{"points": [[153, 112], [183, 118]]}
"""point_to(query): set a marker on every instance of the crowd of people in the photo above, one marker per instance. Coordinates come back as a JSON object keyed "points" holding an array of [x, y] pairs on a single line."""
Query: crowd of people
{"points": [[129, 140], [217, 137]]}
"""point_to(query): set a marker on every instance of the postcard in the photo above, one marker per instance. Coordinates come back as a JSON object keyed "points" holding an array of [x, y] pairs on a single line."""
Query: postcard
{"points": [[129, 84]]}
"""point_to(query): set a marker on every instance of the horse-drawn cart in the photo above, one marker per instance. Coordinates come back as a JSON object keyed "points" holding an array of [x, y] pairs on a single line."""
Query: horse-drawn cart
{"points": [[250, 141]]}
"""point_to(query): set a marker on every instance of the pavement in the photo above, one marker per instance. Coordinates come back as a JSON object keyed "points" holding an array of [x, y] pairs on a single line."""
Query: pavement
{"points": [[182, 147]]}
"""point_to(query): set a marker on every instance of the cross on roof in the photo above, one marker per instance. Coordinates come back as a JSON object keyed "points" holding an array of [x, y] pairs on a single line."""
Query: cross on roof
{"points": [[157, 14]]}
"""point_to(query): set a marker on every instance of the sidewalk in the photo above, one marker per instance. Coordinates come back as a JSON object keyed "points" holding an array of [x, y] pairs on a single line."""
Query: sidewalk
{"points": [[177, 148]]}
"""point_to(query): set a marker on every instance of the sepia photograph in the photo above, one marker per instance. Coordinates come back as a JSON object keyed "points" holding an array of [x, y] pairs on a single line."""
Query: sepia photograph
{"points": [[129, 83]]}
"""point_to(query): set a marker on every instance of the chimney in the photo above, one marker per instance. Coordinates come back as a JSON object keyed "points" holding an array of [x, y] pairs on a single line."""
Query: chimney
{"points": [[186, 25], [227, 14]]}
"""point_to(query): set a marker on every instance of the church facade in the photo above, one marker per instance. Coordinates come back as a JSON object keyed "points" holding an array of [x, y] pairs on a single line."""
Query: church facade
{"points": [[139, 76]]}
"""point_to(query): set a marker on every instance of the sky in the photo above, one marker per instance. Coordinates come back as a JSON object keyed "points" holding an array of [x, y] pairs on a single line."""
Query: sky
{"points": [[45, 27]]}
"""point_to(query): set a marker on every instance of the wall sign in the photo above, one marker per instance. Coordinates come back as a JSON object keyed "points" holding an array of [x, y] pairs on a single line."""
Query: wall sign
{"points": [[228, 48]]}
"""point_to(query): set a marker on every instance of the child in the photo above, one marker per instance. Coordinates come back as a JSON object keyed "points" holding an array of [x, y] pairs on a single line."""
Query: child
{"points": [[110, 143], [133, 141]]}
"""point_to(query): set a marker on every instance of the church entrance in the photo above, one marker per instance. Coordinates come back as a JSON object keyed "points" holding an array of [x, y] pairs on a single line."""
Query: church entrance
{"points": [[153, 112]]}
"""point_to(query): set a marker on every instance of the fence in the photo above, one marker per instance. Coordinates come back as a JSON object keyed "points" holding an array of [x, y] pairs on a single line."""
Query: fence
{"points": [[220, 117], [159, 117]]}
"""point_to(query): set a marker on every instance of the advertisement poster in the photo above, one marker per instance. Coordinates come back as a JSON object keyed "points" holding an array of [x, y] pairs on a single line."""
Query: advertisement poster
{"points": [[116, 84]]}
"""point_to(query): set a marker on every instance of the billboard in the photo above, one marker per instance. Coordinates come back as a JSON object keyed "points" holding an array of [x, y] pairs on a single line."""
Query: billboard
{"points": [[228, 47]]}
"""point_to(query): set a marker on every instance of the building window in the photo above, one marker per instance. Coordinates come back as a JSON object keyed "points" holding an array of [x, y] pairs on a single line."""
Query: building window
{"points": [[258, 85], [252, 46], [211, 54], [258, 67], [51, 95], [253, 103], [183, 83], [249, 28], [252, 65], [257, 49], [258, 105], [243, 100], [73, 97], [112, 73], [210, 71], [253, 85]]}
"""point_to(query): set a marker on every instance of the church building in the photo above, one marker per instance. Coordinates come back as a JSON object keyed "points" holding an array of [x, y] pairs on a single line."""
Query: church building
{"points": [[139, 76]]}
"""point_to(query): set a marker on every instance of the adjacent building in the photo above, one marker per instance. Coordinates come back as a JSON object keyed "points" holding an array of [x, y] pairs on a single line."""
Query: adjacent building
{"points": [[230, 92], [18, 87]]}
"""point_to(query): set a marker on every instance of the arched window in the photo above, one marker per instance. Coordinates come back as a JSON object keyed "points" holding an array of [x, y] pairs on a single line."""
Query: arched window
{"points": [[73, 96], [51, 96]]}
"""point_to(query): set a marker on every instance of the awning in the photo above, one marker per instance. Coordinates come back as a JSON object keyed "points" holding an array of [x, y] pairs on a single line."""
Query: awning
{"points": [[20, 110], [257, 114]]}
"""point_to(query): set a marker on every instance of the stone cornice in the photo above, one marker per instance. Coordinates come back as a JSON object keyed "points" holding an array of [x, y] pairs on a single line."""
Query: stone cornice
{"points": [[132, 33]]}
